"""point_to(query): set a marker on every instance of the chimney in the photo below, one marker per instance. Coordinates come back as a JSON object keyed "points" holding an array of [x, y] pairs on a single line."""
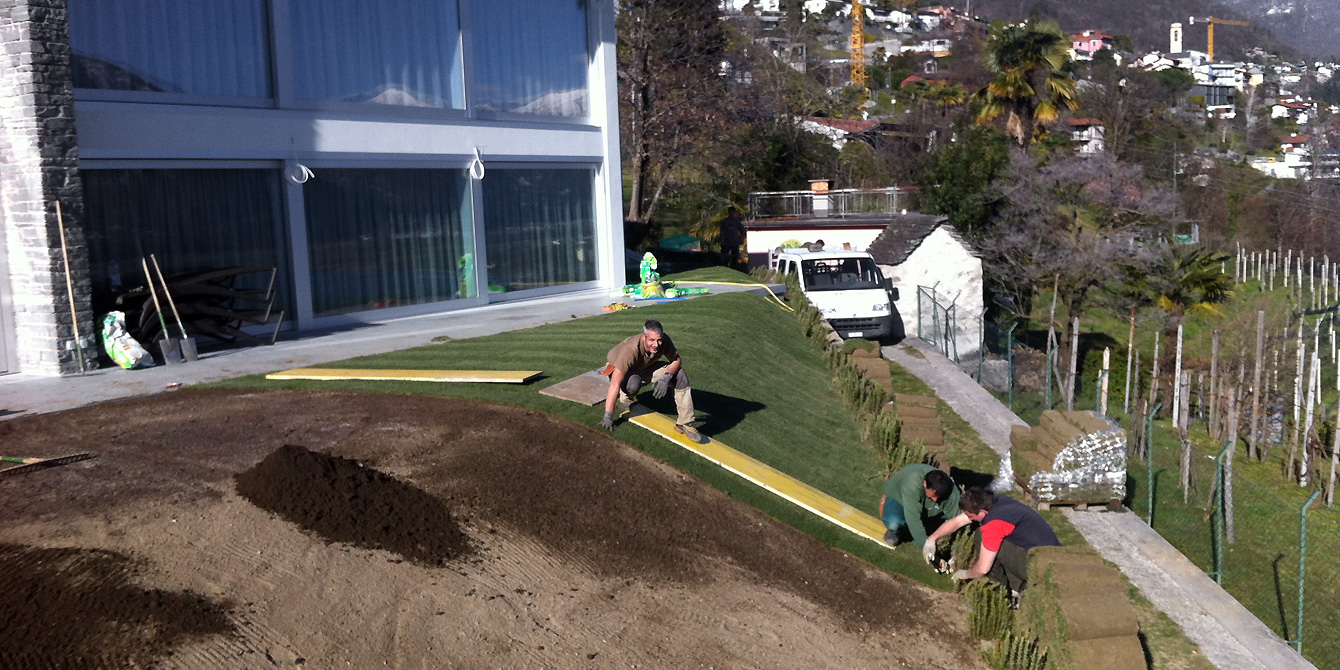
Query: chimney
{"points": [[819, 199], [1175, 39]]}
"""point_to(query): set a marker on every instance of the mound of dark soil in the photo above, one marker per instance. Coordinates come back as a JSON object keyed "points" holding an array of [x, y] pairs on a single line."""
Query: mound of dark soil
{"points": [[78, 608], [344, 501]]}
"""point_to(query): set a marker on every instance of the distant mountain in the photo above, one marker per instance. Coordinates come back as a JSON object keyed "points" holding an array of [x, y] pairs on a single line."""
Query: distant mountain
{"points": [[1313, 26], [1147, 21]]}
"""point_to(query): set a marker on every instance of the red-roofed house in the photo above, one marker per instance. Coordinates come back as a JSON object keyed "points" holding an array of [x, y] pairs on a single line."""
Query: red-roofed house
{"points": [[1294, 143], [1085, 44], [838, 130], [1087, 135]]}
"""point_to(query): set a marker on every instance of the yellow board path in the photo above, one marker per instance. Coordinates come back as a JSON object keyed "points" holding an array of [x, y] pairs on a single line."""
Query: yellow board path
{"points": [[771, 479], [344, 374]]}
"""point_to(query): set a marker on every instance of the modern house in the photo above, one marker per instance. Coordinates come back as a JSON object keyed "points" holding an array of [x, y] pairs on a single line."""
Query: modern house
{"points": [[388, 159], [1087, 136]]}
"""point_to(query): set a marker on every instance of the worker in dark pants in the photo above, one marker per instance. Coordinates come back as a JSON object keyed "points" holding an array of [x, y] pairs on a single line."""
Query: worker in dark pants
{"points": [[915, 497], [1009, 530], [732, 238]]}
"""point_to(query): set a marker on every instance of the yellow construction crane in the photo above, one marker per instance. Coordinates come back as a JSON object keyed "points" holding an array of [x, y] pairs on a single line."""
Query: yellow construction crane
{"points": [[1212, 21], [857, 44]]}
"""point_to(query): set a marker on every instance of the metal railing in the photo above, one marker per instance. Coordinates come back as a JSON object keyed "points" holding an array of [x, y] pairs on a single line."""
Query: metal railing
{"points": [[836, 203]]}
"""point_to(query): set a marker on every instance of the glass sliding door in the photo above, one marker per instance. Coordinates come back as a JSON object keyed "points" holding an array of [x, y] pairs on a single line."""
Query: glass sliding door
{"points": [[390, 52], [383, 238], [216, 48], [539, 227], [530, 57], [192, 220]]}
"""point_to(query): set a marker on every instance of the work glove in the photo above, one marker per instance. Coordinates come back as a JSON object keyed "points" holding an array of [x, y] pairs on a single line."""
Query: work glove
{"points": [[659, 388], [928, 551], [961, 576], [608, 422]]}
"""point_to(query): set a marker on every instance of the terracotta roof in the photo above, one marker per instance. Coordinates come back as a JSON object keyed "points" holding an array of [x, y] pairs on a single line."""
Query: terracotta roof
{"points": [[904, 235], [845, 125], [1295, 139], [1084, 122]]}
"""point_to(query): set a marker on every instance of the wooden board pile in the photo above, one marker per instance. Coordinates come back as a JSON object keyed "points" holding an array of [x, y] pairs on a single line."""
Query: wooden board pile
{"points": [[1078, 608], [1074, 458]]}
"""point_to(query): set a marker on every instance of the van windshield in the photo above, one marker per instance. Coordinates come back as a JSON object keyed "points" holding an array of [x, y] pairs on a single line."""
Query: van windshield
{"points": [[840, 274]]}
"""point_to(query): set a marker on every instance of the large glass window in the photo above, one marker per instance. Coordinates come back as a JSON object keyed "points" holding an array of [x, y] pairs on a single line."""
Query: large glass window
{"points": [[192, 220], [206, 48], [386, 238], [391, 52], [539, 227], [530, 57]]}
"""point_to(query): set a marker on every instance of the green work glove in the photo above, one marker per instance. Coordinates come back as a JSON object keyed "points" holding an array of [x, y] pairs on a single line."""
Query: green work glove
{"points": [[659, 388], [928, 551], [608, 422]]}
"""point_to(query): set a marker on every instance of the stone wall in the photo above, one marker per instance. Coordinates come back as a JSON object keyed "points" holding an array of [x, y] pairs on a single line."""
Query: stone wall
{"points": [[39, 167]]}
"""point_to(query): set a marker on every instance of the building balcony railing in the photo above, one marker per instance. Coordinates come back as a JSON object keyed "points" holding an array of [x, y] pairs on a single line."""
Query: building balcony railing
{"points": [[836, 203]]}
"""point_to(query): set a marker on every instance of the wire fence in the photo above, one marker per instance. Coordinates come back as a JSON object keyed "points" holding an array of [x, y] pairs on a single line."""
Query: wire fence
{"points": [[1247, 532]]}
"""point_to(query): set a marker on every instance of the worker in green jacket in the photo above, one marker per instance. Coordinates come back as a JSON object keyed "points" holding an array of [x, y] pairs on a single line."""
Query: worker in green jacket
{"points": [[914, 496]]}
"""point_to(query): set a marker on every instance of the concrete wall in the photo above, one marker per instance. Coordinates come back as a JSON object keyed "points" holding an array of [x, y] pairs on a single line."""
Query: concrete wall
{"points": [[944, 263], [38, 167]]}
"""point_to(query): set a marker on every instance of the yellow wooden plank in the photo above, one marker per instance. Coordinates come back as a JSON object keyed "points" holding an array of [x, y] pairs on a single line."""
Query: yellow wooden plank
{"points": [[343, 374], [770, 478]]}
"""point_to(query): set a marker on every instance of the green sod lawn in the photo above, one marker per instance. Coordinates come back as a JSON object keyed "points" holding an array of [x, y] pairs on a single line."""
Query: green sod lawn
{"points": [[759, 386]]}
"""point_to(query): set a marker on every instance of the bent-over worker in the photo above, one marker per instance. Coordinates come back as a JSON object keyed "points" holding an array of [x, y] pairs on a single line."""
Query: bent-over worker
{"points": [[635, 361], [913, 496], [1009, 529]]}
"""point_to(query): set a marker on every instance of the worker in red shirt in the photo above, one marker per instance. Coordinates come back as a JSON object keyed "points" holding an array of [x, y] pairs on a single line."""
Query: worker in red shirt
{"points": [[1009, 530]]}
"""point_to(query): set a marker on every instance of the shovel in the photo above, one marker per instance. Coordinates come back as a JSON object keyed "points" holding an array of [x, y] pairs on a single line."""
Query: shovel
{"points": [[29, 464], [187, 343], [167, 346]]}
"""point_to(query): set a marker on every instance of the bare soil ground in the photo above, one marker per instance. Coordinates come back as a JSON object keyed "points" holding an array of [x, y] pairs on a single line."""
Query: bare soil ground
{"points": [[414, 532]]}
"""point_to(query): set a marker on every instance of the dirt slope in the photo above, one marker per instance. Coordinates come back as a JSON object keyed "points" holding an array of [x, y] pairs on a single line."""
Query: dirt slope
{"points": [[576, 552]]}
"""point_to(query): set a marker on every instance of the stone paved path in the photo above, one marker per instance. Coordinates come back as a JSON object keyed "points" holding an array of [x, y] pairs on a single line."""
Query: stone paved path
{"points": [[1229, 636]]}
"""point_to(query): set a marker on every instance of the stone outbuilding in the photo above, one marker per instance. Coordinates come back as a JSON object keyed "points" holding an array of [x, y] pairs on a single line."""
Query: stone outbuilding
{"points": [[938, 275]]}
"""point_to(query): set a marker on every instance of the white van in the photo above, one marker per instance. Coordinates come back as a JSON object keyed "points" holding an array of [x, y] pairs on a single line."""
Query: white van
{"points": [[846, 286]]}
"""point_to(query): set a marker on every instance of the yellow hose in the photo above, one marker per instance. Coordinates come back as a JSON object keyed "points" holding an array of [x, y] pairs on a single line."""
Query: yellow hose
{"points": [[729, 283]]}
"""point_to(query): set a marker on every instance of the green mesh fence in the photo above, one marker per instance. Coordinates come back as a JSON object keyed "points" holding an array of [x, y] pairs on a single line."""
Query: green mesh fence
{"points": [[1259, 549]]}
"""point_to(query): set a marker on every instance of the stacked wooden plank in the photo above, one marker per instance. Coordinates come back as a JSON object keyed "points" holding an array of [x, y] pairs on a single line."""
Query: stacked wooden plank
{"points": [[1079, 608]]}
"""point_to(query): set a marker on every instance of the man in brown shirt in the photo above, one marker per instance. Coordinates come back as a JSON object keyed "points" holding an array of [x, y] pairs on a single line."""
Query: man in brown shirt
{"points": [[637, 359]]}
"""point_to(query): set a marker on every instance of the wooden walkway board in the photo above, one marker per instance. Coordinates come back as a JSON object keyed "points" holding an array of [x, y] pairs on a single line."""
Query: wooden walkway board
{"points": [[772, 479], [587, 388], [344, 374]]}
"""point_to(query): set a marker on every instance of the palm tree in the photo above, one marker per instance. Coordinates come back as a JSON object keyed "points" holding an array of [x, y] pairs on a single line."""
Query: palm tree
{"points": [[1029, 84], [1191, 281]]}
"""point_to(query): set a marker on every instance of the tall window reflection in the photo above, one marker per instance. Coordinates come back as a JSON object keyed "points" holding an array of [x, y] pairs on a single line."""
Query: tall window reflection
{"points": [[388, 238], [539, 227], [390, 52], [536, 63], [207, 48]]}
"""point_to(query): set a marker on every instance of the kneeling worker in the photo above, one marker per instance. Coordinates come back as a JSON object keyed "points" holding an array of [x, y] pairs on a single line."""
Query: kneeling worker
{"points": [[1009, 530], [913, 496], [636, 360]]}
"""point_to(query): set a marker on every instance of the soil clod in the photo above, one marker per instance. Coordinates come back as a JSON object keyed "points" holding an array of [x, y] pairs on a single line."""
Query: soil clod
{"points": [[342, 500]]}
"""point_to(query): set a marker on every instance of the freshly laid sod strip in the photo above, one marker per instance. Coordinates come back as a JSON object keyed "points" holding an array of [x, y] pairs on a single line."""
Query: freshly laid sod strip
{"points": [[770, 478], [343, 374]]}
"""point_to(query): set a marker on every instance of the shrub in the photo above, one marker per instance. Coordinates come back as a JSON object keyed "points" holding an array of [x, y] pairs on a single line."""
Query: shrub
{"points": [[989, 613], [1013, 651]]}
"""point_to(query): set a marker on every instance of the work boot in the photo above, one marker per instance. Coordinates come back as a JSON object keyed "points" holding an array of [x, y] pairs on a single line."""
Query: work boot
{"points": [[891, 539], [625, 401], [691, 433]]}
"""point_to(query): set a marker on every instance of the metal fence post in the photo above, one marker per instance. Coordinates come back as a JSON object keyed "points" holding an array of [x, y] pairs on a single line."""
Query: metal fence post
{"points": [[1149, 461], [1219, 514], [1302, 563], [1009, 341]]}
